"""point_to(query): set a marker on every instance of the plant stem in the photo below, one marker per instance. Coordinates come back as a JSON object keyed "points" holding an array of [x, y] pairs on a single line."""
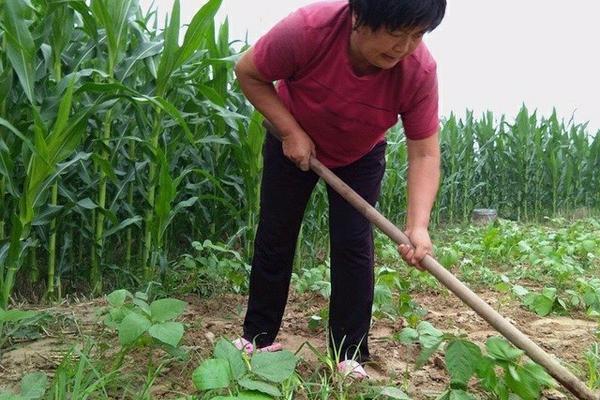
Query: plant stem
{"points": [[52, 246], [2, 205], [53, 202], [148, 244], [130, 202], [34, 271], [96, 272]]}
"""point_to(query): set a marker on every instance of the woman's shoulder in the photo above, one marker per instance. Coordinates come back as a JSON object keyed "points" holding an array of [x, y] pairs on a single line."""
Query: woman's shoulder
{"points": [[420, 61], [296, 43], [325, 25]]}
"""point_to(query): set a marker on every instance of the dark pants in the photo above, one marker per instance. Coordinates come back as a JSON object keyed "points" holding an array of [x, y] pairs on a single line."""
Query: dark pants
{"points": [[284, 194]]}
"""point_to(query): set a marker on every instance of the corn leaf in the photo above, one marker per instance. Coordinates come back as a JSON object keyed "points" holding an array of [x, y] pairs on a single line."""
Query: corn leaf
{"points": [[171, 45], [20, 47], [114, 15], [196, 32]]}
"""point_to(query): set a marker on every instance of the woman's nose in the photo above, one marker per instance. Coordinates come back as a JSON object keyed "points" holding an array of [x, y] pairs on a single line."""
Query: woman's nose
{"points": [[403, 46], [408, 43]]}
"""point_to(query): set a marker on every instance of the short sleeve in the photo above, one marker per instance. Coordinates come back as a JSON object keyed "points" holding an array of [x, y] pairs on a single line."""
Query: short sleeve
{"points": [[279, 54], [421, 120]]}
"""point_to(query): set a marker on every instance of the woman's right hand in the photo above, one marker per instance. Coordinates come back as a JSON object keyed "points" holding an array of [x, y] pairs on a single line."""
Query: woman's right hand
{"points": [[299, 147]]}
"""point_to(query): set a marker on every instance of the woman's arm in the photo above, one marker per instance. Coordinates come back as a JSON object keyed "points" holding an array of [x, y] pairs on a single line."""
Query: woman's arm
{"points": [[297, 145], [423, 182]]}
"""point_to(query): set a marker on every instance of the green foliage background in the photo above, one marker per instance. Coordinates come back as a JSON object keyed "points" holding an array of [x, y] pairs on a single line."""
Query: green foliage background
{"points": [[123, 141]]}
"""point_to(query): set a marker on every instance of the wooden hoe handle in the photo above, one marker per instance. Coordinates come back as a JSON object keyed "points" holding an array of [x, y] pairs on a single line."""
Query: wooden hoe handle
{"points": [[508, 330]]}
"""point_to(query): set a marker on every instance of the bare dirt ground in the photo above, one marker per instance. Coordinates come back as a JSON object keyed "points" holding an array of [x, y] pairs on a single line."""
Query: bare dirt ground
{"points": [[393, 363]]}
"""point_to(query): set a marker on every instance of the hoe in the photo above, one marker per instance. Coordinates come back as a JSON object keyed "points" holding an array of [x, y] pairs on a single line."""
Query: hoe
{"points": [[466, 295]]}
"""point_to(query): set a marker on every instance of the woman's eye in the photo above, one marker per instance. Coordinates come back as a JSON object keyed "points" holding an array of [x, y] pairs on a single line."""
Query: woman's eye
{"points": [[397, 34]]}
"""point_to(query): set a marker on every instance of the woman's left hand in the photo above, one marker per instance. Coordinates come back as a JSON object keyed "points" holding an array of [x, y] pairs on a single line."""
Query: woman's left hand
{"points": [[421, 241]]}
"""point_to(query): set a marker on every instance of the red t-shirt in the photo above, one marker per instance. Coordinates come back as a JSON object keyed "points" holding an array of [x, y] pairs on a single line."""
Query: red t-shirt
{"points": [[346, 115]]}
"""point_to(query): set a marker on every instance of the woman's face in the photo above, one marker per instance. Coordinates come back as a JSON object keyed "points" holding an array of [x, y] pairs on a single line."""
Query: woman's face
{"points": [[382, 48]]}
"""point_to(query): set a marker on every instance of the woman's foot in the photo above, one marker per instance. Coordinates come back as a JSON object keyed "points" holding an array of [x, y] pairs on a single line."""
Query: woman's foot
{"points": [[243, 344], [352, 369]]}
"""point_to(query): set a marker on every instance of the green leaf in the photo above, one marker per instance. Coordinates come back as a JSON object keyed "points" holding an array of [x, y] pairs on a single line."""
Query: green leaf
{"points": [[462, 357], [167, 332], [141, 296], [212, 95], [408, 335], [549, 292], [113, 15], [15, 315], [87, 203], [524, 247], [448, 257], [394, 393], [122, 225], [275, 367], [142, 305], [212, 374], [64, 108], [524, 383], [445, 395], [225, 398], [543, 303], [589, 246], [196, 32], [501, 350], [20, 47], [427, 352], [537, 373], [247, 395], [144, 50], [176, 210], [89, 23], [60, 168], [457, 394], [174, 112], [45, 215], [225, 350], [63, 25], [33, 385], [486, 372], [6, 169], [429, 336], [132, 327], [520, 290], [171, 46], [259, 386], [18, 134], [166, 309], [105, 166], [117, 298], [62, 143]]}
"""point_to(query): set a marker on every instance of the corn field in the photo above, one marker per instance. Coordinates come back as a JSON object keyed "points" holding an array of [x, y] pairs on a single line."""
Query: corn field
{"points": [[527, 169], [113, 134], [123, 140]]}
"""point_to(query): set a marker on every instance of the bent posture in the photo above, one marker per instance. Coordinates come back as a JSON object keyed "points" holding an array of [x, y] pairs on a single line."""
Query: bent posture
{"points": [[345, 71]]}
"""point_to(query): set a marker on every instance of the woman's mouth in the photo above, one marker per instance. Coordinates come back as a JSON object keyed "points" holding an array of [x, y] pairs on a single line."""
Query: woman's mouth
{"points": [[390, 58]]}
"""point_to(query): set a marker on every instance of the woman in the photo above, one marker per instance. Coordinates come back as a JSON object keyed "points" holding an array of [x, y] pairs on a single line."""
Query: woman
{"points": [[345, 71]]}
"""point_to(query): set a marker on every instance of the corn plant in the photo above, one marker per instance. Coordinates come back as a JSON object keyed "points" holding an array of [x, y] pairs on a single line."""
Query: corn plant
{"points": [[118, 79], [527, 169], [122, 143]]}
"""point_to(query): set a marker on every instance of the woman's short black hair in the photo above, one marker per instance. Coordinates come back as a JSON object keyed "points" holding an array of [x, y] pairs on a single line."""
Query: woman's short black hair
{"points": [[398, 14]]}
